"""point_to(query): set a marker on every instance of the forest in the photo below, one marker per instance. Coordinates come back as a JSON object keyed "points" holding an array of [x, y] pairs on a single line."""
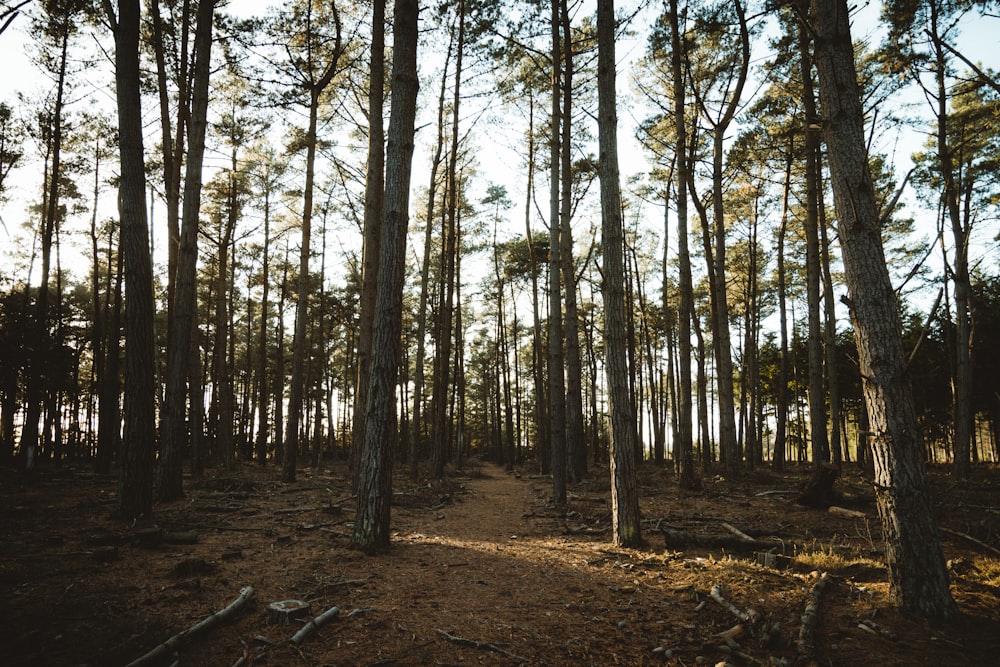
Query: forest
{"points": [[700, 241]]}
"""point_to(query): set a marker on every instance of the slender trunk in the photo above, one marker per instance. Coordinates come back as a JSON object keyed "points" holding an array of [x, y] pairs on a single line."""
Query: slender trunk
{"points": [[416, 422], [576, 453], [371, 525], [174, 422], [135, 488], [781, 394], [557, 381], [918, 578], [814, 339], [542, 442], [685, 444], [264, 390], [962, 389], [625, 525], [51, 204], [374, 192]]}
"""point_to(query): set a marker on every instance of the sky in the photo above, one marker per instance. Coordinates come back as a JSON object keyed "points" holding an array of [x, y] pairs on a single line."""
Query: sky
{"points": [[980, 41]]}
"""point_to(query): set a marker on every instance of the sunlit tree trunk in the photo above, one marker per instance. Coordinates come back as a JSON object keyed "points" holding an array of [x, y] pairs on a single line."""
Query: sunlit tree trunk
{"points": [[576, 454], [918, 578]]}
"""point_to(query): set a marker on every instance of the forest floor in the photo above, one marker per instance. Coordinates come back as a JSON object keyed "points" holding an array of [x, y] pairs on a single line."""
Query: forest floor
{"points": [[482, 570]]}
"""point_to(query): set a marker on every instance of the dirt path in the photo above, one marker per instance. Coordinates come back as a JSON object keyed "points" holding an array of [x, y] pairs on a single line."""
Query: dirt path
{"points": [[493, 568], [481, 571]]}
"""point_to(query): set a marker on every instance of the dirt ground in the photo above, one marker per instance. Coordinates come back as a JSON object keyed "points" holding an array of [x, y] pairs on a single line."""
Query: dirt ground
{"points": [[482, 570]]}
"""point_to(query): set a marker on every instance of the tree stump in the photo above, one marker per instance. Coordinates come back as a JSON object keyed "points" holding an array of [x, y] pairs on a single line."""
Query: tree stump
{"points": [[284, 612], [818, 491]]}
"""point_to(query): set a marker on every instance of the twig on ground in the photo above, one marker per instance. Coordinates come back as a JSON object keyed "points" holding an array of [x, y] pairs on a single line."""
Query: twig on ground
{"points": [[246, 594], [483, 646]]}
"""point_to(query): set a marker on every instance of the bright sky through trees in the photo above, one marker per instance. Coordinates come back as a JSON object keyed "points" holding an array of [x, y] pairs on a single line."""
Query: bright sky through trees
{"points": [[499, 144]]}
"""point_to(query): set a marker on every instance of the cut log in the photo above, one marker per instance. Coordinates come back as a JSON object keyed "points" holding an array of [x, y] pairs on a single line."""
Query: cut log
{"points": [[315, 624], [175, 642], [284, 612], [807, 633], [737, 532]]}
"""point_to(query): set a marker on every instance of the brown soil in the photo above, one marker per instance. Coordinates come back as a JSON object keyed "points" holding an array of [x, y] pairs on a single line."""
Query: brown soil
{"points": [[483, 570]]}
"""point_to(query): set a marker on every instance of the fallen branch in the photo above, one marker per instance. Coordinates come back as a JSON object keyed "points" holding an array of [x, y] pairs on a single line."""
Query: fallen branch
{"points": [[971, 539], [294, 510], [807, 633], [315, 624], [676, 538], [483, 646], [748, 616], [843, 511], [737, 532], [246, 594]]}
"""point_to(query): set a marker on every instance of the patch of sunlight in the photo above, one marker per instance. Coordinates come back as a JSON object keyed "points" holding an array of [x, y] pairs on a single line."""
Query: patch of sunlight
{"points": [[989, 570]]}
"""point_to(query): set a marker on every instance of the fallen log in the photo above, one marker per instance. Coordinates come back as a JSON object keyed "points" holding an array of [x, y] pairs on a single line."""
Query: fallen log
{"points": [[315, 624], [843, 511], [810, 617], [747, 616], [246, 594], [676, 538]]}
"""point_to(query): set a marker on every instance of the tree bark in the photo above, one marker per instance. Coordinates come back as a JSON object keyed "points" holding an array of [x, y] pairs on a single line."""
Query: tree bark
{"points": [[314, 85], [185, 303], [135, 487], [624, 439], [814, 340], [918, 578], [685, 423], [576, 452], [557, 369], [371, 525], [374, 191]]}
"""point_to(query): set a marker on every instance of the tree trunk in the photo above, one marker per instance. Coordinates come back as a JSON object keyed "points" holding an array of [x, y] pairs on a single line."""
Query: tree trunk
{"points": [[416, 423], [576, 452], [685, 311], [41, 342], [135, 487], [371, 525], [814, 340], [918, 578], [374, 191], [624, 440], [185, 303], [314, 87], [557, 369], [781, 395]]}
